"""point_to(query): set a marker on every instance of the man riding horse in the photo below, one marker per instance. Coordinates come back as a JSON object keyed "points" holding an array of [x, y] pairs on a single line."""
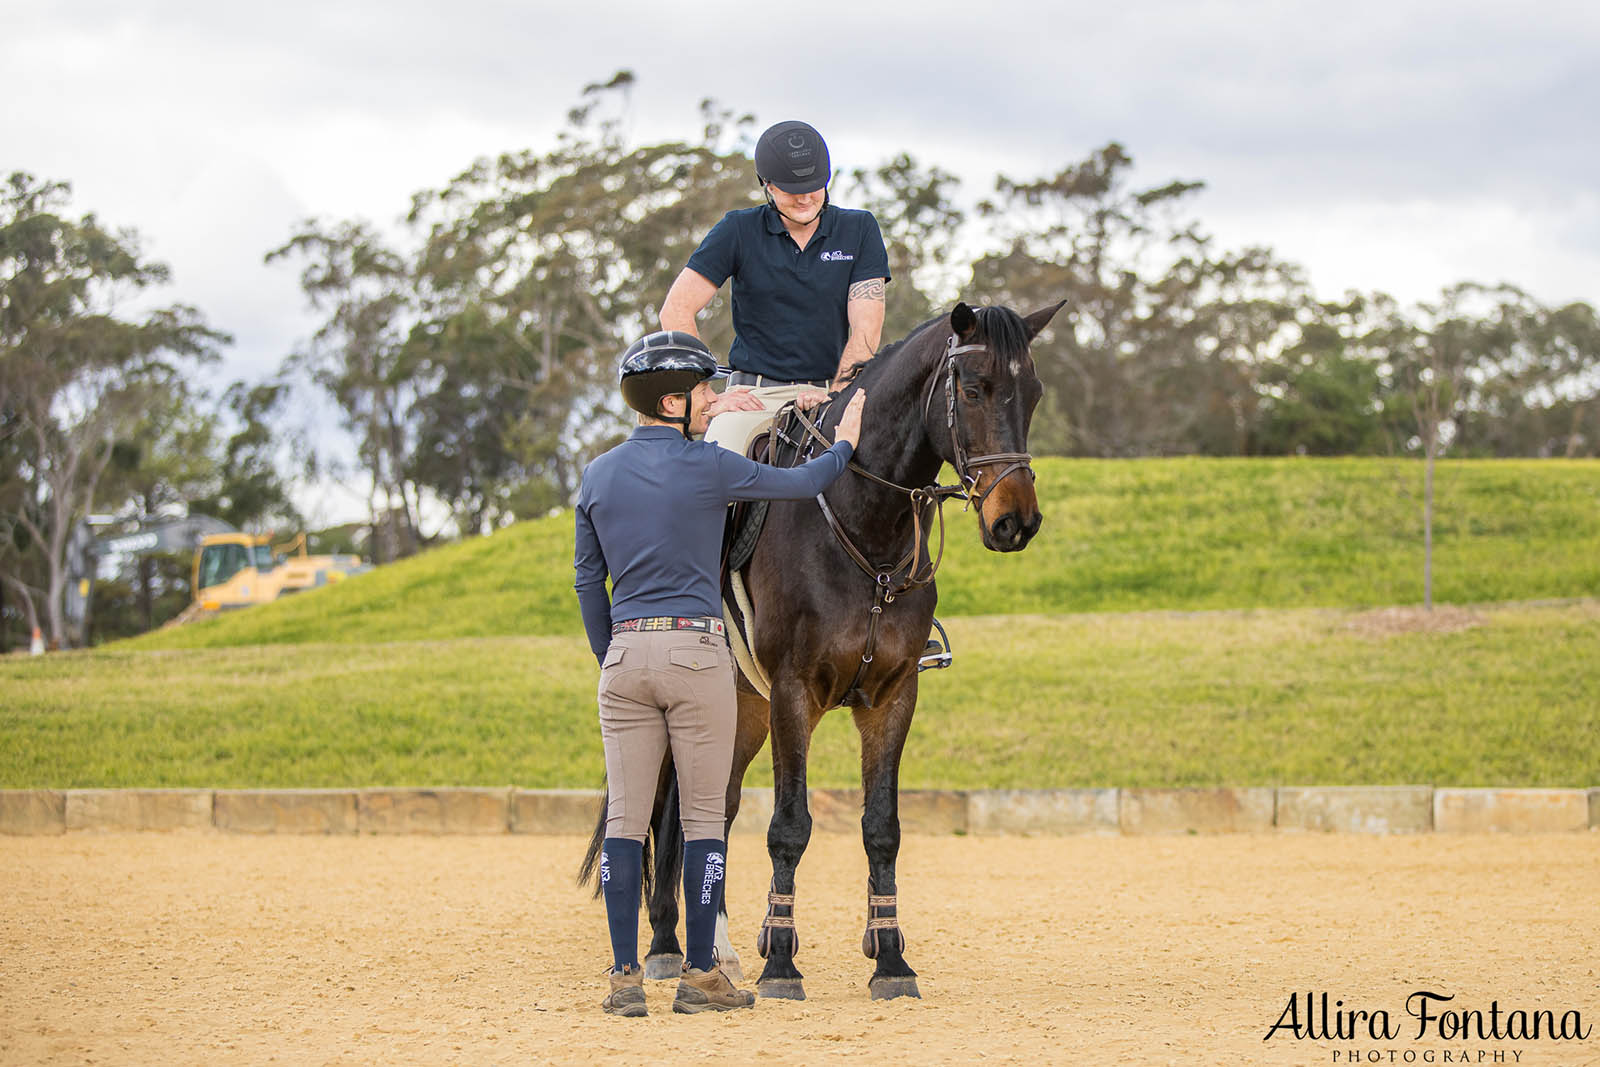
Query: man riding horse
{"points": [[808, 288]]}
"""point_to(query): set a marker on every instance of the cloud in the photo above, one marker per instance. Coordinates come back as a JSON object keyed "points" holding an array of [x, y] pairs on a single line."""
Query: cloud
{"points": [[1395, 144]]}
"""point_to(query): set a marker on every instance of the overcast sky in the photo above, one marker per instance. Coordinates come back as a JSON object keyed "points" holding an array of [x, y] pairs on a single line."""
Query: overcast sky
{"points": [[1382, 145]]}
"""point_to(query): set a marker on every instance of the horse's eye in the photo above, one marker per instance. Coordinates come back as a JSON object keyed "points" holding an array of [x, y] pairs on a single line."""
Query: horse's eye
{"points": [[971, 392]]}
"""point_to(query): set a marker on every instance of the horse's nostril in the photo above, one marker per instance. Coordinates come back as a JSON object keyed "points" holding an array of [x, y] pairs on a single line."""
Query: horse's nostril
{"points": [[1033, 524], [1005, 530]]}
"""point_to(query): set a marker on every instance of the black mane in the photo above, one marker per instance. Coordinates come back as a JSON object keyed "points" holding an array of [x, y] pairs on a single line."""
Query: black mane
{"points": [[1002, 329]]}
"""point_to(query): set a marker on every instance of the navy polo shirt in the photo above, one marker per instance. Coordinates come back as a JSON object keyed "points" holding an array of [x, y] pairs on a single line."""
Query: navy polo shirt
{"points": [[789, 316], [650, 514]]}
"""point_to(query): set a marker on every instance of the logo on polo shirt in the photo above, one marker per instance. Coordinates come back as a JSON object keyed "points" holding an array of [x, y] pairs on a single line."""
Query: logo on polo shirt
{"points": [[837, 257]]}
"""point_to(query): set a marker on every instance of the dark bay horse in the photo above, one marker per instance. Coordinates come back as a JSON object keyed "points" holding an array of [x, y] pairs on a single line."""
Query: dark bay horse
{"points": [[843, 596]]}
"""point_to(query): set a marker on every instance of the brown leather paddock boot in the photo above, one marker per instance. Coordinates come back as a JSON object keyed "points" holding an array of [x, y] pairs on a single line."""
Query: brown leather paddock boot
{"points": [[627, 994], [709, 991]]}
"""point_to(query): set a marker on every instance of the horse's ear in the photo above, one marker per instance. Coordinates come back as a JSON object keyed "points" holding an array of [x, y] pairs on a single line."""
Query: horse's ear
{"points": [[1041, 318], [963, 320]]}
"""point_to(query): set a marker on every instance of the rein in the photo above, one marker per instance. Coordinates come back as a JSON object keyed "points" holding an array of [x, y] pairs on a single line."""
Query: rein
{"points": [[885, 587]]}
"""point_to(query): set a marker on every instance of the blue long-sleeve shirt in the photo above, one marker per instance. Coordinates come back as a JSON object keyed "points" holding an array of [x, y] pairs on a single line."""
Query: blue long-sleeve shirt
{"points": [[650, 514]]}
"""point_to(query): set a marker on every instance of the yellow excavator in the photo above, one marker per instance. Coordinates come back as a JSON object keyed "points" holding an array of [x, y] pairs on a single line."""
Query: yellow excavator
{"points": [[236, 570], [231, 569]]}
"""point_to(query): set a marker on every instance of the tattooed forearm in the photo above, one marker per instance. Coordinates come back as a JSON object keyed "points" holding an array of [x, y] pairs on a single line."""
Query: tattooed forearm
{"points": [[871, 289]]}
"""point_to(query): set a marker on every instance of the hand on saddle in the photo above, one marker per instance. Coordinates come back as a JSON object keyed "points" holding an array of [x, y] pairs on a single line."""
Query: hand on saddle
{"points": [[850, 423], [810, 399], [737, 398]]}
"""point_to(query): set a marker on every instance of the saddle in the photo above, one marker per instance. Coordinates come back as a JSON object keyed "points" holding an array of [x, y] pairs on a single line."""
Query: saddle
{"points": [[747, 517]]}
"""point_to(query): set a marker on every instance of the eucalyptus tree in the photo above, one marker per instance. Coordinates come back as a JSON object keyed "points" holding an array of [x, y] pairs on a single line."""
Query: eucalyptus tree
{"points": [[1160, 346], [1331, 393], [250, 489], [76, 374], [1535, 379], [535, 271], [359, 356]]}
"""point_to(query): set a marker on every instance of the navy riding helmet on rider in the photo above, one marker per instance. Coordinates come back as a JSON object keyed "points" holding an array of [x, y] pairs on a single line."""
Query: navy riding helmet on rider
{"points": [[662, 364], [793, 156]]}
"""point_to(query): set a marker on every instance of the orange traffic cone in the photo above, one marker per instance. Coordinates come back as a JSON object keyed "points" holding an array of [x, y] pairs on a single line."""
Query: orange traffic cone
{"points": [[36, 646]]}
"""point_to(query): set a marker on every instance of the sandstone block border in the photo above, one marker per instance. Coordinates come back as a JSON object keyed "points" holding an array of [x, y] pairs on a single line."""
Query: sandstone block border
{"points": [[1512, 810], [1384, 809], [33, 812], [1404, 809], [1043, 812], [138, 810], [1201, 811], [434, 811], [286, 811]]}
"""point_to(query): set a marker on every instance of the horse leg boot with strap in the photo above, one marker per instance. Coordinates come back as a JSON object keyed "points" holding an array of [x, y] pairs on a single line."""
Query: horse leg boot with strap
{"points": [[780, 916], [882, 921], [884, 934]]}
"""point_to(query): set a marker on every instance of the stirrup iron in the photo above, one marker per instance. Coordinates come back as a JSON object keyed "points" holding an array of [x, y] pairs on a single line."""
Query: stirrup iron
{"points": [[936, 655]]}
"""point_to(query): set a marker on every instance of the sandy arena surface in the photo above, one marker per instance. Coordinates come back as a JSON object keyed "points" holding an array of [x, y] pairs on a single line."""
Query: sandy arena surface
{"points": [[217, 949]]}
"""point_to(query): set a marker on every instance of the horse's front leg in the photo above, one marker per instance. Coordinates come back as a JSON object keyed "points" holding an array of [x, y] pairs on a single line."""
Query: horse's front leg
{"points": [[752, 734], [883, 732], [793, 718]]}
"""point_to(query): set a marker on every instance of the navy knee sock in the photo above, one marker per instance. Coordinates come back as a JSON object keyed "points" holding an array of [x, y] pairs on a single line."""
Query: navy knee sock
{"points": [[703, 865], [621, 868]]}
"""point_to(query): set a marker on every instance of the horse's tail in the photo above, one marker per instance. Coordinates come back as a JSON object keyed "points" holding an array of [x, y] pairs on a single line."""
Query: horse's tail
{"points": [[589, 870], [669, 846]]}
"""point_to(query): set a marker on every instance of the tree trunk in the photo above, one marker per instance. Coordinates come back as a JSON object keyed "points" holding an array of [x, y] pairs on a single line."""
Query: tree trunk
{"points": [[28, 607], [147, 568], [1427, 519]]}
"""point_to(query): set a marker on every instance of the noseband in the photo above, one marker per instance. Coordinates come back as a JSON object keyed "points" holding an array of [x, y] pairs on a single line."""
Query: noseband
{"points": [[962, 462]]}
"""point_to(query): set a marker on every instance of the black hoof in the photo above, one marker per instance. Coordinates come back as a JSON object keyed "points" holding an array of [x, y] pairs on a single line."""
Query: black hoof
{"points": [[888, 988], [666, 965], [781, 989]]}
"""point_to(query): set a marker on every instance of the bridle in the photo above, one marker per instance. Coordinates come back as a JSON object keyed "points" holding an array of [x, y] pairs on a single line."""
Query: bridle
{"points": [[964, 463], [885, 585]]}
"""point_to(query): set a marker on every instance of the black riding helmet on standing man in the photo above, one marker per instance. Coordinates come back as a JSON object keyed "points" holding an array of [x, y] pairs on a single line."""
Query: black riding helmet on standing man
{"points": [[663, 364]]}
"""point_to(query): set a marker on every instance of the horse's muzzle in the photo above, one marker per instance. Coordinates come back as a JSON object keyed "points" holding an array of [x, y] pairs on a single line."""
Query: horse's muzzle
{"points": [[1011, 532]]}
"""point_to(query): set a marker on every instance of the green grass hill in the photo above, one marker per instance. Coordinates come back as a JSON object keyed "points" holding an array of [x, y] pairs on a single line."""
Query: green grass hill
{"points": [[1137, 535], [1175, 623]]}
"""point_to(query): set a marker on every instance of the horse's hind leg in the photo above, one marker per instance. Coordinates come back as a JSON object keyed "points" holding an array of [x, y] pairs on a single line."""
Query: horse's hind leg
{"points": [[883, 736], [665, 958]]}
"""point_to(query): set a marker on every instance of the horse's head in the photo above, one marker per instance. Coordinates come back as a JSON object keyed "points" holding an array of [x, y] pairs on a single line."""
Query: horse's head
{"points": [[984, 392]]}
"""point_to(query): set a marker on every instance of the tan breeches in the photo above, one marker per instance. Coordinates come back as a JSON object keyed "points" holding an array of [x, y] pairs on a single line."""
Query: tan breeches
{"points": [[660, 689]]}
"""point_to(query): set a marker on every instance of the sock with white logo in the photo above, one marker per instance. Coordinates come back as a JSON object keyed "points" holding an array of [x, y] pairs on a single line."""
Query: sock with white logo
{"points": [[703, 868], [621, 868]]}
